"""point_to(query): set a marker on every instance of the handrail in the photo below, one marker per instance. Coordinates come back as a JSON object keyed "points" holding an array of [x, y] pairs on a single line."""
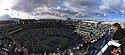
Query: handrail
{"points": [[106, 39]]}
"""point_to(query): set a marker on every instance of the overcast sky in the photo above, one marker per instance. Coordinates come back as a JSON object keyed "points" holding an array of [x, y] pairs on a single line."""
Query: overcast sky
{"points": [[80, 9]]}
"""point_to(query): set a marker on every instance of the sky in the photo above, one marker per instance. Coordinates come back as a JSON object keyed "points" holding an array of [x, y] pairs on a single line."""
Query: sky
{"points": [[62, 9]]}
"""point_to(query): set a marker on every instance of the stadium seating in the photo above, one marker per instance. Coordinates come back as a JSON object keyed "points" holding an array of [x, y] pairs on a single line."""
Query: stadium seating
{"points": [[20, 35]]}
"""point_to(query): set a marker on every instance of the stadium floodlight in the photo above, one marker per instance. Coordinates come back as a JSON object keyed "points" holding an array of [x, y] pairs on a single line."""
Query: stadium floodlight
{"points": [[122, 11], [98, 15], [105, 14], [83, 15]]}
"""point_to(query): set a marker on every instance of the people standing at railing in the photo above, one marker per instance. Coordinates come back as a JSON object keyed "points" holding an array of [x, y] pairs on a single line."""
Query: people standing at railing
{"points": [[120, 36], [117, 40]]}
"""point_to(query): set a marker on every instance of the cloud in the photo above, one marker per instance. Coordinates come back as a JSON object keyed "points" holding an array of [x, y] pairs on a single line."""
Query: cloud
{"points": [[80, 7], [55, 11], [112, 6], [124, 4], [70, 8], [46, 16], [41, 7], [83, 7], [30, 5], [81, 2]]}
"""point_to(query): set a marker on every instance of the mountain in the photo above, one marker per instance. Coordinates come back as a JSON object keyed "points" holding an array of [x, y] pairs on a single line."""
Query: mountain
{"points": [[7, 17]]}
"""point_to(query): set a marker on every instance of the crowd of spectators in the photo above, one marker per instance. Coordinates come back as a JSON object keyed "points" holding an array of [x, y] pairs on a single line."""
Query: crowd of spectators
{"points": [[23, 42], [92, 31], [43, 33]]}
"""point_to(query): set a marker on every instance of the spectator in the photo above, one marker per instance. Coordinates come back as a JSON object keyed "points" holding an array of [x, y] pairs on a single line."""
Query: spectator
{"points": [[119, 35], [118, 39]]}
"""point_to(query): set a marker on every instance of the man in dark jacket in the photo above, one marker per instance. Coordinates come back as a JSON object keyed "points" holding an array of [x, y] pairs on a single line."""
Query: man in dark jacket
{"points": [[119, 34], [119, 37]]}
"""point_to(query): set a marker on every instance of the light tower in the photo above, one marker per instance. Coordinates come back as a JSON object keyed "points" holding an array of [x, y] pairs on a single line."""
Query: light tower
{"points": [[122, 12]]}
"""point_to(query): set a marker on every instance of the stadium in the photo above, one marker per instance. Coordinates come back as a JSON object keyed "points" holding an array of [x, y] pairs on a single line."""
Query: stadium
{"points": [[62, 27], [38, 36]]}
